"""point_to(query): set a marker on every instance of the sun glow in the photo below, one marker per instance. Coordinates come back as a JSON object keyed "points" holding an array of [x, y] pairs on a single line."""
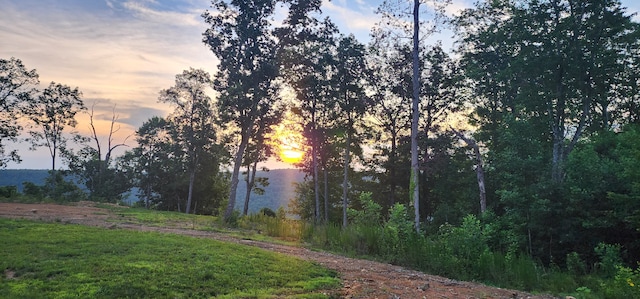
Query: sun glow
{"points": [[289, 141], [291, 156]]}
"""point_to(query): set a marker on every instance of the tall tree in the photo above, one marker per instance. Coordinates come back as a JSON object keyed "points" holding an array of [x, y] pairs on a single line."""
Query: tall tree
{"points": [[193, 119], [569, 57], [395, 13], [241, 36], [307, 56], [545, 74], [349, 88], [389, 63], [163, 174], [259, 150], [17, 88], [52, 112], [93, 163]]}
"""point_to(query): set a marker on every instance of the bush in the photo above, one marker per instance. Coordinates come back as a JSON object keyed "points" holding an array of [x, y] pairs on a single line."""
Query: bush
{"points": [[610, 259], [267, 212], [8, 191], [624, 284], [575, 265]]}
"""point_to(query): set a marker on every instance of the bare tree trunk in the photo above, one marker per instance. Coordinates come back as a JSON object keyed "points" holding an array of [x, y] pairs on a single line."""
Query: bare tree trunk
{"points": [[234, 176], [392, 168], [345, 180], [326, 194], [314, 161], [192, 178], [479, 169], [413, 185], [251, 179]]}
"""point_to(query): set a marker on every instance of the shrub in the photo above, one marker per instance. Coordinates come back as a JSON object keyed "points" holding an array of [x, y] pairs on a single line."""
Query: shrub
{"points": [[8, 191], [370, 213], [624, 284], [575, 265], [610, 259], [267, 212]]}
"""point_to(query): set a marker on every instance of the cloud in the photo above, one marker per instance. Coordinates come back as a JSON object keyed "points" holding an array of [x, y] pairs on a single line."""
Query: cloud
{"points": [[358, 21], [117, 52]]}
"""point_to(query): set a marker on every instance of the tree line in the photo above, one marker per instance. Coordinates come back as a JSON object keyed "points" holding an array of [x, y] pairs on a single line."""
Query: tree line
{"points": [[547, 90]]}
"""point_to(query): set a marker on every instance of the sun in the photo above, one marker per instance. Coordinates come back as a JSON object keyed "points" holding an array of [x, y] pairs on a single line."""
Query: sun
{"points": [[288, 141], [291, 156]]}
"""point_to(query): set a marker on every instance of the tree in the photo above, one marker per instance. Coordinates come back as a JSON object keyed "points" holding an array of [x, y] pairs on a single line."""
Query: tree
{"points": [[241, 36], [393, 13], [259, 150], [389, 64], [479, 164], [569, 58], [17, 88], [308, 59], [546, 74], [103, 180], [351, 101], [162, 171], [52, 112], [193, 119]]}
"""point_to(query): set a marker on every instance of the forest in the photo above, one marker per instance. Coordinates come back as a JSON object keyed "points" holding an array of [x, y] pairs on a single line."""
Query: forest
{"points": [[522, 144]]}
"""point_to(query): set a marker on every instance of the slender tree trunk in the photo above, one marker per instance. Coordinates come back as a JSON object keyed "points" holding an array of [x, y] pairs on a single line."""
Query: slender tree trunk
{"points": [[251, 180], [326, 194], [192, 178], [234, 175], [479, 170], [413, 185], [392, 168], [314, 161], [316, 184], [345, 179]]}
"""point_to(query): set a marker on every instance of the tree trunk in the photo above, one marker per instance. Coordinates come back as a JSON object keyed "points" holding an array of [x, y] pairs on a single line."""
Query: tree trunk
{"points": [[234, 176], [345, 180], [192, 178], [326, 194], [479, 169], [413, 185], [251, 179], [314, 161], [392, 168]]}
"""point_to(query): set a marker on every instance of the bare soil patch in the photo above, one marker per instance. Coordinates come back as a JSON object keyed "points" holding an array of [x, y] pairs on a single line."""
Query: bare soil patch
{"points": [[361, 278]]}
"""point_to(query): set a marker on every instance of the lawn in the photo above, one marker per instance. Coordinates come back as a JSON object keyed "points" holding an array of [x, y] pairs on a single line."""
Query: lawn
{"points": [[54, 260]]}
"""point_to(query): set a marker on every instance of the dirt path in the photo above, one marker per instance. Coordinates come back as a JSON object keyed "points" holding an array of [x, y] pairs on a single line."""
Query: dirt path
{"points": [[361, 278]]}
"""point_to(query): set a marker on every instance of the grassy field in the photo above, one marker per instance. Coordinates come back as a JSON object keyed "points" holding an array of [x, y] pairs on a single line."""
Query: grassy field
{"points": [[53, 260]]}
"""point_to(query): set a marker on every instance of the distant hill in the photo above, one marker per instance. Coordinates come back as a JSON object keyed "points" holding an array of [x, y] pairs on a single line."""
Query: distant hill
{"points": [[277, 194], [15, 177]]}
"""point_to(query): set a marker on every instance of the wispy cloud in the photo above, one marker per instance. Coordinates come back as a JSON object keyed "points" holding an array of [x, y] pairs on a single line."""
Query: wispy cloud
{"points": [[357, 20], [120, 52]]}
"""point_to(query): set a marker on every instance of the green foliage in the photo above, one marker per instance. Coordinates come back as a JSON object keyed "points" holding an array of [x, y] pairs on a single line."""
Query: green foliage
{"points": [[17, 90], [32, 190], [624, 284], [369, 214], [267, 212], [575, 265], [610, 259], [67, 261], [8, 191]]}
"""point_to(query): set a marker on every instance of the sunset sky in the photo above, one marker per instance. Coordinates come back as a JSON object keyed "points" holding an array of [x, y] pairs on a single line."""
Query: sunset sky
{"points": [[123, 52]]}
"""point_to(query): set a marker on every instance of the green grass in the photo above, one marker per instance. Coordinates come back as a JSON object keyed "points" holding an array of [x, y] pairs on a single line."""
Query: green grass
{"points": [[51, 260], [160, 218]]}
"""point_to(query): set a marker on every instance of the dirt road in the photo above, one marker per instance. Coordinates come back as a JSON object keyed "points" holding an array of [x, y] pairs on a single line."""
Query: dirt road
{"points": [[361, 278]]}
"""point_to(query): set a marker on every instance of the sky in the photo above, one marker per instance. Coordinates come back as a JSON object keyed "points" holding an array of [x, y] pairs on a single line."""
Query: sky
{"points": [[122, 53]]}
